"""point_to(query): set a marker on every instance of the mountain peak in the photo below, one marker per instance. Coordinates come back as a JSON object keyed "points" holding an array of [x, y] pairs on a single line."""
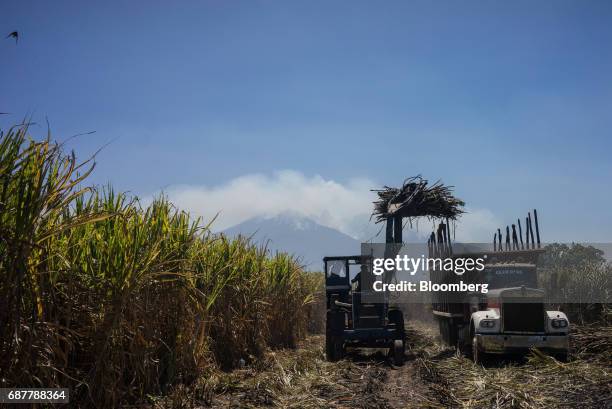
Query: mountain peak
{"points": [[290, 218], [294, 233]]}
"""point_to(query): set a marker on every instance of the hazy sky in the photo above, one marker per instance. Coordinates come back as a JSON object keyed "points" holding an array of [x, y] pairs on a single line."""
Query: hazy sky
{"points": [[511, 102]]}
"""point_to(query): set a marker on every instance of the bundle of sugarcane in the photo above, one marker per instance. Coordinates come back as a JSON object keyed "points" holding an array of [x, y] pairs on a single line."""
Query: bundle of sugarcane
{"points": [[415, 198]]}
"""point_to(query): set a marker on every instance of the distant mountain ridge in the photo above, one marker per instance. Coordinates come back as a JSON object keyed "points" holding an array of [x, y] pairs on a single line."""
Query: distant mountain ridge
{"points": [[297, 235]]}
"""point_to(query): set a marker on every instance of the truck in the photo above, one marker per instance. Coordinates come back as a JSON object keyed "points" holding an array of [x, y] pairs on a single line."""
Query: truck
{"points": [[510, 318]]}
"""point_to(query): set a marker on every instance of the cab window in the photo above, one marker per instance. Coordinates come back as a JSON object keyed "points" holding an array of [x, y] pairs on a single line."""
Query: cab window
{"points": [[336, 268]]}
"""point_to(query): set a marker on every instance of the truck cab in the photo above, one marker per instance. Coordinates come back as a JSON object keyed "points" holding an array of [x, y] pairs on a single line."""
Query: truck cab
{"points": [[511, 317]]}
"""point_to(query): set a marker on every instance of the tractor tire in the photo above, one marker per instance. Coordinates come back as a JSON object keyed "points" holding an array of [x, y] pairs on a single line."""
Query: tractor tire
{"points": [[329, 348], [334, 324], [334, 341], [397, 317], [339, 348], [334, 348], [398, 352], [479, 357]]}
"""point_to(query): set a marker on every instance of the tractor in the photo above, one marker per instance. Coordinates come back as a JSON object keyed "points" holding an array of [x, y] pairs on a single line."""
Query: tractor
{"points": [[352, 322]]}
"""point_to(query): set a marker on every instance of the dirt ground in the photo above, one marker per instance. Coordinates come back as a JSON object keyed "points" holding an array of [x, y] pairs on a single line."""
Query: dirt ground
{"points": [[433, 376], [365, 379]]}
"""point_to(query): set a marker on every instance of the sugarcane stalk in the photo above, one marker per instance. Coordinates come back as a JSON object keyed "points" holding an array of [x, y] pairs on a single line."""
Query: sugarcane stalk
{"points": [[520, 233], [507, 238], [535, 216]]}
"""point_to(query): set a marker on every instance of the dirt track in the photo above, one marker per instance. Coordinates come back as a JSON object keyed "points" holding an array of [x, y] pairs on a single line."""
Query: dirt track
{"points": [[365, 379], [432, 377], [360, 381], [303, 379]]}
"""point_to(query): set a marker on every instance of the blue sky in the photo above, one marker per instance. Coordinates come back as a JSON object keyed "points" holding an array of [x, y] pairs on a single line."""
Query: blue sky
{"points": [[511, 102]]}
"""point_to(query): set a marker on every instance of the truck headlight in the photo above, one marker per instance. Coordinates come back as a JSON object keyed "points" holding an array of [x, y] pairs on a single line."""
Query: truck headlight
{"points": [[487, 323], [559, 323]]}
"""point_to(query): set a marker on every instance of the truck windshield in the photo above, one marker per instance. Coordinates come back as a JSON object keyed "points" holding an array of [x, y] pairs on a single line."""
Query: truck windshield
{"points": [[509, 276]]}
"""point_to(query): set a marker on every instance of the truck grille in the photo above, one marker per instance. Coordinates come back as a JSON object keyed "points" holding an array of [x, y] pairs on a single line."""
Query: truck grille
{"points": [[523, 317]]}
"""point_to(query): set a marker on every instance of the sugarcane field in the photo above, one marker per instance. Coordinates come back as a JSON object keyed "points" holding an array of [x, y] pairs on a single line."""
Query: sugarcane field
{"points": [[306, 205]]}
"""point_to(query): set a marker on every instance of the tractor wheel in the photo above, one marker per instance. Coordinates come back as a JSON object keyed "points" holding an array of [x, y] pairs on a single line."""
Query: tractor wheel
{"points": [[338, 348], [334, 340], [396, 317], [398, 352], [334, 324], [329, 348], [334, 348], [478, 356]]}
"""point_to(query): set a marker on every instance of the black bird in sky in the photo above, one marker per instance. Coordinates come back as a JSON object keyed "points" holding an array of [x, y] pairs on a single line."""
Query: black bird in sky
{"points": [[15, 35]]}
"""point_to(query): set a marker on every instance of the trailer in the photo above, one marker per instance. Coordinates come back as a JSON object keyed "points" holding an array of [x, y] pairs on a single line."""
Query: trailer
{"points": [[511, 317]]}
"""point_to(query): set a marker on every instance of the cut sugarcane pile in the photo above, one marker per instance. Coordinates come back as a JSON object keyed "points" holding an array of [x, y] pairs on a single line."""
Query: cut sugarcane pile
{"points": [[417, 198]]}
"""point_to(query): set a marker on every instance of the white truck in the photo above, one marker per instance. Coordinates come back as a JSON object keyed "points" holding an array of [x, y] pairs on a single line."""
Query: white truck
{"points": [[511, 317]]}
